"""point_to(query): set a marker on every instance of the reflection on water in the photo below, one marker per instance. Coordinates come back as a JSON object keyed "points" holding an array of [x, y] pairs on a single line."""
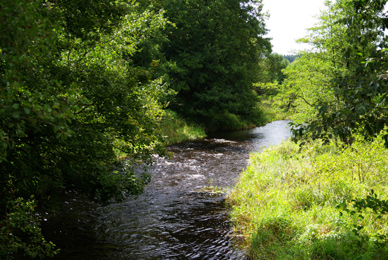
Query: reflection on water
{"points": [[172, 219]]}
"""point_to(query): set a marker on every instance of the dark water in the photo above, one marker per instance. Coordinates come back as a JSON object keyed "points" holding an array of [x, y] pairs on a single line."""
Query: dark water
{"points": [[173, 219]]}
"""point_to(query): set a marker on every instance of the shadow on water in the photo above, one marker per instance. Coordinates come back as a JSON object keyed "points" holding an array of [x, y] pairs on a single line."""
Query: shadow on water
{"points": [[173, 219]]}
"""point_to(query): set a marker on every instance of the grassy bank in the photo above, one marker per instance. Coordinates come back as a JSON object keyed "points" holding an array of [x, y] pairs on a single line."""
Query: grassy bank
{"points": [[176, 130], [290, 202], [173, 128]]}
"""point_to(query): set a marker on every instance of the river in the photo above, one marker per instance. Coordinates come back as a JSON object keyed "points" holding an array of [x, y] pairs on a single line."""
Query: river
{"points": [[173, 218]]}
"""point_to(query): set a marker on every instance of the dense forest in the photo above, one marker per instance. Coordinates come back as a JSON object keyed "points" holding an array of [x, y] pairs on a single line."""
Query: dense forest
{"points": [[86, 83]]}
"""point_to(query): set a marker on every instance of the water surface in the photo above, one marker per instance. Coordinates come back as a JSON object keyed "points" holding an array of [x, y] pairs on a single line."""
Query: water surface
{"points": [[173, 219]]}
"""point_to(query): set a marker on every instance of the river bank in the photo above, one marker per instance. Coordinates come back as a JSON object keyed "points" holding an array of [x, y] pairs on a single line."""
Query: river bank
{"points": [[175, 129], [296, 203]]}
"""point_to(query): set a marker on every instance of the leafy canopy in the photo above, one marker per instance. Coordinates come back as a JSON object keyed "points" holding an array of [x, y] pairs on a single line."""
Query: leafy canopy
{"points": [[215, 48]]}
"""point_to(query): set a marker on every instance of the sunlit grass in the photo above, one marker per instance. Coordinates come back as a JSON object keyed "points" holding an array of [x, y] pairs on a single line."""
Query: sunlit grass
{"points": [[285, 202], [176, 130], [173, 129]]}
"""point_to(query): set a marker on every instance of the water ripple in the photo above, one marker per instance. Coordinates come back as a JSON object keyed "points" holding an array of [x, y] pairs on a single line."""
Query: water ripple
{"points": [[171, 220]]}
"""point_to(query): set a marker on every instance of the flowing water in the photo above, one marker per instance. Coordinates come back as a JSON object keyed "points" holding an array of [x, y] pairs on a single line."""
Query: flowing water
{"points": [[174, 218]]}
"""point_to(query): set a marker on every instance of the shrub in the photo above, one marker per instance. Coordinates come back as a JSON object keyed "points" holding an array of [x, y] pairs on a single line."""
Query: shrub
{"points": [[20, 234]]}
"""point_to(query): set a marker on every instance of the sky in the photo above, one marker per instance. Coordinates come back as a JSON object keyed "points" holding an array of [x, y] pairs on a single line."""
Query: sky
{"points": [[288, 22]]}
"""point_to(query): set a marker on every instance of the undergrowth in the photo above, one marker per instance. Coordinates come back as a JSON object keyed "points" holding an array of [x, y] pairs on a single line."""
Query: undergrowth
{"points": [[175, 129], [289, 203]]}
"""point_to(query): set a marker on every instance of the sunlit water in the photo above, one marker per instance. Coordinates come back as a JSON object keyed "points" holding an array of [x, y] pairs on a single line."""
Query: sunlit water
{"points": [[173, 219]]}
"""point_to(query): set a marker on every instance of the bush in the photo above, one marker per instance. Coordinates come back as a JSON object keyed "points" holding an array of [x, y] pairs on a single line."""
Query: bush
{"points": [[70, 90], [20, 234]]}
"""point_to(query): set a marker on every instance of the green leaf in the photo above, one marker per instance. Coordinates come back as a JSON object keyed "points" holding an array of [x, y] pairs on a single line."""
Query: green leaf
{"points": [[16, 114]]}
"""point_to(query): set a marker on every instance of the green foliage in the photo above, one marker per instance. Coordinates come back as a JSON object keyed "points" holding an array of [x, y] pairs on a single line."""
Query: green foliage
{"points": [[285, 203], [215, 48], [72, 92], [359, 208], [271, 75], [291, 58], [175, 129], [306, 85], [269, 102], [271, 68], [351, 42], [20, 234]]}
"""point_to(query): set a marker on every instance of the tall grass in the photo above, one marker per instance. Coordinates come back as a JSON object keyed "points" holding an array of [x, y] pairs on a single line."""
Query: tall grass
{"points": [[285, 204]]}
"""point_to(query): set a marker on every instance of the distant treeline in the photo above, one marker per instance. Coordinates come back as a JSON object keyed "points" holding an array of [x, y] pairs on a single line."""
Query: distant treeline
{"points": [[291, 58]]}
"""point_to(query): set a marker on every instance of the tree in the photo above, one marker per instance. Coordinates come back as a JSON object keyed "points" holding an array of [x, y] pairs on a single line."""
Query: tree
{"points": [[291, 58], [71, 92], [351, 38], [215, 47], [271, 68], [306, 84]]}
